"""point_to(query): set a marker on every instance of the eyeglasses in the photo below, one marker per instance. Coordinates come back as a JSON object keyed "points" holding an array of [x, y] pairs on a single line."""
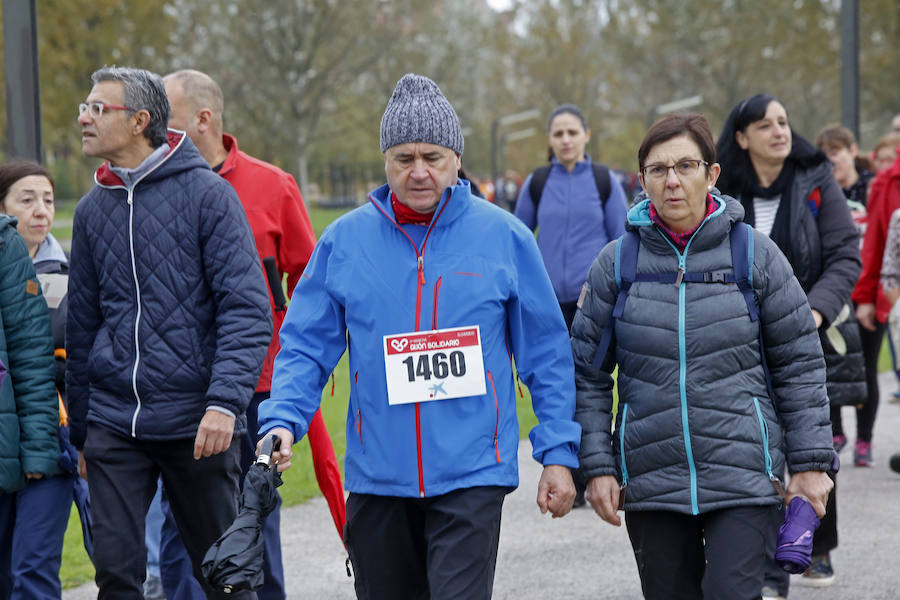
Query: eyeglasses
{"points": [[683, 168], [96, 108]]}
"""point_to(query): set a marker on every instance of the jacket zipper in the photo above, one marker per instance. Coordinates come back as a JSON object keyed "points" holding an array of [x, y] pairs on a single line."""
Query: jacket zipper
{"points": [[497, 423], [420, 283], [137, 286], [682, 364], [622, 446], [358, 413], [137, 319], [764, 431]]}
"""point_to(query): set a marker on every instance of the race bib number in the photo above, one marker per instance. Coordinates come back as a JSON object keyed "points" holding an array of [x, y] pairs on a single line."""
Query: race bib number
{"points": [[434, 365]]}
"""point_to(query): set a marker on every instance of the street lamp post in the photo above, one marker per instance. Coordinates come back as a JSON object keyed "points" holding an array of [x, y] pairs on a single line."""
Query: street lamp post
{"points": [[504, 122], [23, 102], [674, 106]]}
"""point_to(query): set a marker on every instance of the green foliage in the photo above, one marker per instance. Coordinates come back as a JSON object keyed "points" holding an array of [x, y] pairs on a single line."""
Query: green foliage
{"points": [[76, 567]]}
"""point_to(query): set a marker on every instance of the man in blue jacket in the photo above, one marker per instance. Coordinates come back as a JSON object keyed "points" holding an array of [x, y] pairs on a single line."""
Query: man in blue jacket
{"points": [[169, 323], [436, 292]]}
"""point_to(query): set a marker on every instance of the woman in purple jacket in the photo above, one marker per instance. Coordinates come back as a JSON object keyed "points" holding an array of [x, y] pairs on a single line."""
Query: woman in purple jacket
{"points": [[576, 206]]}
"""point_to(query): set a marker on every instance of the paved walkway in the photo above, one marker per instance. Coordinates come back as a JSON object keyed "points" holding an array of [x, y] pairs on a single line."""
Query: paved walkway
{"points": [[581, 557]]}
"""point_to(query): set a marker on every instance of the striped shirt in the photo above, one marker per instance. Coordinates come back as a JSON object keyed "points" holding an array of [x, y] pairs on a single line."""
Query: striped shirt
{"points": [[764, 210]]}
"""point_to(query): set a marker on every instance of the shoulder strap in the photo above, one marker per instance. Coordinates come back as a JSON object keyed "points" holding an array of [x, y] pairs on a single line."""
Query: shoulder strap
{"points": [[539, 180], [601, 180], [742, 264], [627, 248], [741, 238], [536, 186]]}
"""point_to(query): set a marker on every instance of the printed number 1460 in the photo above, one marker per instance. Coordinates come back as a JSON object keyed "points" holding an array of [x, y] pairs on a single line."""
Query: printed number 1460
{"points": [[438, 365]]}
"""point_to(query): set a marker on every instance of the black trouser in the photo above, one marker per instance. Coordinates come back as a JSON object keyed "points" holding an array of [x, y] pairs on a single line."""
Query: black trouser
{"points": [[122, 476], [865, 416], [719, 554], [568, 310], [430, 548]]}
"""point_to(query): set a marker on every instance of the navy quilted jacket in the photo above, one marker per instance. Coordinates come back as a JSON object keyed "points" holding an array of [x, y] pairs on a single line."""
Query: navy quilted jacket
{"points": [[168, 308]]}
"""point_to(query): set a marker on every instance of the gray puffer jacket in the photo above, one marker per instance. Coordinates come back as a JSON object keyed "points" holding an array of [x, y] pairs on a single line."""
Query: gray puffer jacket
{"points": [[696, 429]]}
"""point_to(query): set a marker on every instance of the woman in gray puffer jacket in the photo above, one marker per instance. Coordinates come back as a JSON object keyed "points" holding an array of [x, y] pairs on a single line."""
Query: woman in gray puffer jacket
{"points": [[699, 436]]}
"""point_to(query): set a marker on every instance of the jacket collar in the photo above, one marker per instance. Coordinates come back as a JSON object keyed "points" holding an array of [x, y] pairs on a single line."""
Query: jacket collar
{"points": [[711, 232], [454, 201], [50, 251], [581, 165], [231, 145], [105, 177]]}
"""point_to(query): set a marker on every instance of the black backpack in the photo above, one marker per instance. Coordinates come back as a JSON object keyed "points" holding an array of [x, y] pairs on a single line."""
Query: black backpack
{"points": [[539, 180]]}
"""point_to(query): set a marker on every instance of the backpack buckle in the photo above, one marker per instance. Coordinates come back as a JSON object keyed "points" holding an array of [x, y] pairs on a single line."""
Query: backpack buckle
{"points": [[714, 277]]}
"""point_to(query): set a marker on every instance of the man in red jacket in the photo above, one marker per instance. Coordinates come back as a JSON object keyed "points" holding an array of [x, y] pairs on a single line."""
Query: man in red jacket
{"points": [[872, 306], [283, 232]]}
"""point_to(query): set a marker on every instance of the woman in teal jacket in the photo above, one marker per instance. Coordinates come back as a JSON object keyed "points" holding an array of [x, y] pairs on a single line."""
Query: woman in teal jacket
{"points": [[29, 450]]}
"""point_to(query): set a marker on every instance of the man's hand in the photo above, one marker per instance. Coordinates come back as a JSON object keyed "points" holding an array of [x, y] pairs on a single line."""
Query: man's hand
{"points": [[817, 318], [214, 434], [82, 466], [284, 454], [603, 494], [812, 485], [865, 314], [556, 491], [34, 475]]}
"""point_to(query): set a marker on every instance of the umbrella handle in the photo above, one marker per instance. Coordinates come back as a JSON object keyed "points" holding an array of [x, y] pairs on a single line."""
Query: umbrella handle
{"points": [[271, 444]]}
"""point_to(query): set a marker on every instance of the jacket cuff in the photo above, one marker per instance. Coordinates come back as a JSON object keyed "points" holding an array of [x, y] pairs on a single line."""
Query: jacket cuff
{"points": [[223, 406], [561, 455], [270, 425], [46, 466], [222, 410]]}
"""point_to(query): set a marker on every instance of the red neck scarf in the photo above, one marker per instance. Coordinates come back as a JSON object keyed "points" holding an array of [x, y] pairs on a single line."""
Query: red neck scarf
{"points": [[404, 215], [681, 239]]}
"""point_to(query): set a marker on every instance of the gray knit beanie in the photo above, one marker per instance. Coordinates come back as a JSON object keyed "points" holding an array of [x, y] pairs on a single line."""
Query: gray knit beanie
{"points": [[419, 112]]}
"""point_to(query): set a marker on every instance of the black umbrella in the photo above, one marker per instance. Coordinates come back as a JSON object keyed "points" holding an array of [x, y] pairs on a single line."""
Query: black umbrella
{"points": [[235, 561]]}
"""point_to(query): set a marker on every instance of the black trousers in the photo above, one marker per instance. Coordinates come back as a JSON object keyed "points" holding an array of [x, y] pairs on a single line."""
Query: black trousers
{"points": [[865, 416], [715, 555], [429, 548], [568, 310], [122, 475]]}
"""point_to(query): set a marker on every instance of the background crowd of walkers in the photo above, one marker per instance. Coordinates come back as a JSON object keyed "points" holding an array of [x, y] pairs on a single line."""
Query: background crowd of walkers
{"points": [[737, 306]]}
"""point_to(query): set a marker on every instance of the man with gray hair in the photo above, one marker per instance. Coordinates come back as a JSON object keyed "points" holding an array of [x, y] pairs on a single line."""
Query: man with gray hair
{"points": [[435, 292], [284, 239], [168, 327]]}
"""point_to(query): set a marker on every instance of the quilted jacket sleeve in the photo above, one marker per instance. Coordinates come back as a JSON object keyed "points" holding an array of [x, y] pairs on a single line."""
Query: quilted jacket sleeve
{"points": [[29, 345], [82, 324], [795, 361], [243, 317], [841, 264], [543, 358], [594, 387]]}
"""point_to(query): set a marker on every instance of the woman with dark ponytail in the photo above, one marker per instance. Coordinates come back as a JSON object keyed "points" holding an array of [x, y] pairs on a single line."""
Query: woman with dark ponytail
{"points": [[789, 192]]}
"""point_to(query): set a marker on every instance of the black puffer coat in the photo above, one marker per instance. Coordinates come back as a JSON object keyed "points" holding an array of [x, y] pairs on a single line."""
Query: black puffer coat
{"points": [[696, 429], [823, 250]]}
